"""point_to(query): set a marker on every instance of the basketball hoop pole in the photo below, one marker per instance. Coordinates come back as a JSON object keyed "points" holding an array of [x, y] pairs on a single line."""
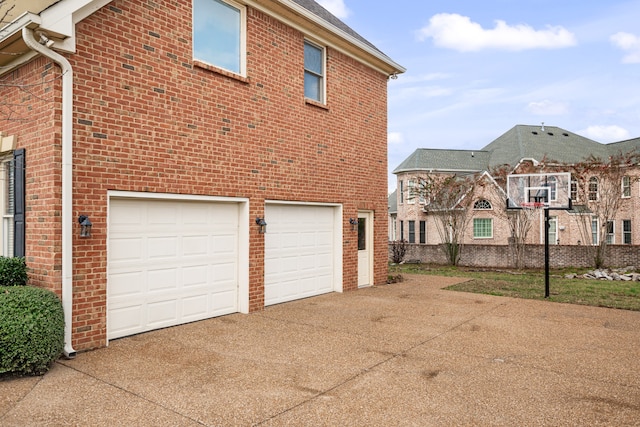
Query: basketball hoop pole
{"points": [[546, 253]]}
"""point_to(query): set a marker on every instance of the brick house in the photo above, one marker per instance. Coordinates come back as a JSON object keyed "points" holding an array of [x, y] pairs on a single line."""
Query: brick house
{"points": [[178, 138], [521, 147]]}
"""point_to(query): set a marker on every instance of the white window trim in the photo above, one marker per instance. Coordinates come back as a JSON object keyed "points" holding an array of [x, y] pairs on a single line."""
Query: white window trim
{"points": [[483, 237], [625, 233], [612, 234], [243, 41], [7, 218], [597, 233], [323, 86], [490, 208], [411, 197], [628, 178]]}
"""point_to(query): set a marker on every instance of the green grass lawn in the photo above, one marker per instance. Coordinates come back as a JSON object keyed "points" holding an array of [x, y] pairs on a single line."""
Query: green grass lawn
{"points": [[530, 284]]}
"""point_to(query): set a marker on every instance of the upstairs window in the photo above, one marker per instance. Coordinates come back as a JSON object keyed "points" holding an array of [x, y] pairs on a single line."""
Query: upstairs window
{"points": [[313, 72], [593, 188], [219, 34], [626, 187], [411, 196]]}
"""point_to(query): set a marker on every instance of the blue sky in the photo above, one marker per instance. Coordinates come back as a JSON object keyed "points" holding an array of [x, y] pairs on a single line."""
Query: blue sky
{"points": [[477, 68]]}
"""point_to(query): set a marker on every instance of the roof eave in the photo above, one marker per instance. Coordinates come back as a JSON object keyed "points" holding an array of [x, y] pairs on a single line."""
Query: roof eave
{"points": [[372, 57]]}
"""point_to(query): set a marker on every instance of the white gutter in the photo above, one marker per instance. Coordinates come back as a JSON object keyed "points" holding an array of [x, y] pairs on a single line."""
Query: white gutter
{"points": [[67, 183]]}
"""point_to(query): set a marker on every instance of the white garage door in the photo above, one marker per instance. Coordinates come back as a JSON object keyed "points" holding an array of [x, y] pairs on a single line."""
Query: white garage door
{"points": [[299, 252], [170, 262]]}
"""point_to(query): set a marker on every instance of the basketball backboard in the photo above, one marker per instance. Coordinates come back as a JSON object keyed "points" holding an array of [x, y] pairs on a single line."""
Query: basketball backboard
{"points": [[543, 190]]}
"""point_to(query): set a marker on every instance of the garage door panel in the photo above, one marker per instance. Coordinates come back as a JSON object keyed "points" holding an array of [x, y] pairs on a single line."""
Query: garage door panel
{"points": [[126, 284], [162, 247], [299, 252], [170, 263], [124, 249]]}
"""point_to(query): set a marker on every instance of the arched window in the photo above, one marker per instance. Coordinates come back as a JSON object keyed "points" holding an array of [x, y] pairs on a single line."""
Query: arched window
{"points": [[482, 204], [593, 188]]}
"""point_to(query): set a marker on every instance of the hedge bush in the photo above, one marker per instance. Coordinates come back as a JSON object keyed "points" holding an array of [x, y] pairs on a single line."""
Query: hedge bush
{"points": [[31, 329], [13, 271]]}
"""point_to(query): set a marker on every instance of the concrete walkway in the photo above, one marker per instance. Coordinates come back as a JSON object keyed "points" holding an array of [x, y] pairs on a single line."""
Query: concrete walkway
{"points": [[408, 354]]}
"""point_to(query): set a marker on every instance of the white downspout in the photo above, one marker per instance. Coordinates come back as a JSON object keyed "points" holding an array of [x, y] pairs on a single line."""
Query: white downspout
{"points": [[67, 183]]}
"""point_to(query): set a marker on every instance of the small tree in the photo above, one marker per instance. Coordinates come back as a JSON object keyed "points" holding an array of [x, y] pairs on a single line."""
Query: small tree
{"points": [[398, 251], [445, 198]]}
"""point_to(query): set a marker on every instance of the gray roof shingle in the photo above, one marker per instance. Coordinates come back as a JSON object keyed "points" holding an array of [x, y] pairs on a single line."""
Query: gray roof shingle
{"points": [[549, 143], [427, 159]]}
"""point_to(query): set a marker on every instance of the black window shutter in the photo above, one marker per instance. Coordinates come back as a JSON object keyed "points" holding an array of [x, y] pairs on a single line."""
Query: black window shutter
{"points": [[19, 239]]}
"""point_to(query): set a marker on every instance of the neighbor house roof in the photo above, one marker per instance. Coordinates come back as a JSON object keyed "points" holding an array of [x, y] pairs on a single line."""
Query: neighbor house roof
{"points": [[428, 159], [541, 143], [393, 202], [548, 143], [624, 146]]}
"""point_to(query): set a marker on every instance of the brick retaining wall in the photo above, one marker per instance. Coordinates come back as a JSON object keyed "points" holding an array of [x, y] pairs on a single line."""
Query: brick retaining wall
{"points": [[503, 257]]}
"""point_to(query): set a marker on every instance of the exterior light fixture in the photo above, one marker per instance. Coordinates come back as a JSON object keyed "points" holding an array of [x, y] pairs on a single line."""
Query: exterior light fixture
{"points": [[354, 223], [85, 226], [262, 225]]}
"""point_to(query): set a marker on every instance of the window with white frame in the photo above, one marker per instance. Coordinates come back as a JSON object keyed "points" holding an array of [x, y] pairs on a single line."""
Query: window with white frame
{"points": [[626, 231], [412, 231], [7, 200], [595, 225], [482, 228], [411, 192], [611, 233], [482, 205], [552, 183], [574, 191], [423, 232], [553, 230], [626, 187], [401, 192], [314, 71], [593, 188], [422, 186], [219, 34]]}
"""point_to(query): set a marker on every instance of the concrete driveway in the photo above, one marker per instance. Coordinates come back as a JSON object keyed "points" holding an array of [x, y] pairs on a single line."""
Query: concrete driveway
{"points": [[408, 354]]}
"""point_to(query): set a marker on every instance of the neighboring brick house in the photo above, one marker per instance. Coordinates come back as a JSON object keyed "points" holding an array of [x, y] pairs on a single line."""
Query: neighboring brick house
{"points": [[517, 147], [179, 137]]}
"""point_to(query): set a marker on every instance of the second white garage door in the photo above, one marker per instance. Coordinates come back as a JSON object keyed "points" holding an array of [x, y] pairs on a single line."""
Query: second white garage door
{"points": [[170, 262], [300, 251]]}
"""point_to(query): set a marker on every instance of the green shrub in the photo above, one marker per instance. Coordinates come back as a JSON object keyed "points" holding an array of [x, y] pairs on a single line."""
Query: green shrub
{"points": [[31, 329], [13, 271]]}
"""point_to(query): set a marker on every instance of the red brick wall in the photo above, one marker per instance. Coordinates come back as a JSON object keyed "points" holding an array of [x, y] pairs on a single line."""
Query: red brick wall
{"points": [[30, 111], [148, 119]]}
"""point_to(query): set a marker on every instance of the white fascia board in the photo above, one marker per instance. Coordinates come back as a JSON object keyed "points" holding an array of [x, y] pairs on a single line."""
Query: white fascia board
{"points": [[61, 19], [436, 170], [330, 28], [24, 20]]}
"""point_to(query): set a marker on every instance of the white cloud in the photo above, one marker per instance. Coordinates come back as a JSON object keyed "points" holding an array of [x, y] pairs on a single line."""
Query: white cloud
{"points": [[629, 43], [336, 7], [606, 133], [395, 138], [548, 108], [458, 32]]}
